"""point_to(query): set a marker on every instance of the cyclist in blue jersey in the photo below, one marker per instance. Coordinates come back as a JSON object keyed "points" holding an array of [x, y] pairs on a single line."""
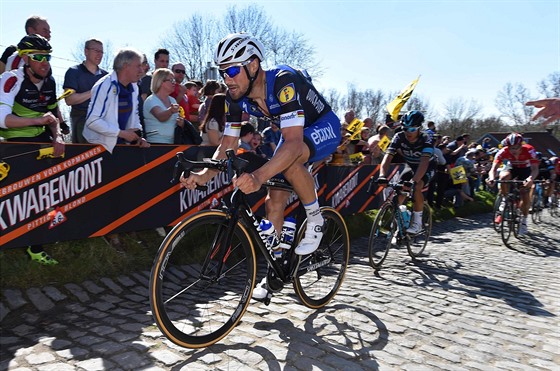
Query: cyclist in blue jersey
{"points": [[417, 149], [310, 131]]}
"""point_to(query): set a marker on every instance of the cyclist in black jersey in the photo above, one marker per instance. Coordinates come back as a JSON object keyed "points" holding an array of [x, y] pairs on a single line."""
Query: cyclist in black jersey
{"points": [[417, 149], [310, 130], [547, 174], [29, 110]]}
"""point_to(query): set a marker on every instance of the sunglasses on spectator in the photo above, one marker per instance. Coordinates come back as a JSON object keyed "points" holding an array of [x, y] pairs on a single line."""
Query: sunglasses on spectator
{"points": [[233, 71], [40, 57], [180, 71], [411, 129], [173, 81]]}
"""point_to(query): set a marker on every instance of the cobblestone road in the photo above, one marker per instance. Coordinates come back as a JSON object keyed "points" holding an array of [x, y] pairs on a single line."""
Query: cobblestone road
{"points": [[469, 304]]}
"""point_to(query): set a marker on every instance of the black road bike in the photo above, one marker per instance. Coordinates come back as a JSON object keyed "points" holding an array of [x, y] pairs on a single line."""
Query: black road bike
{"points": [[205, 270]]}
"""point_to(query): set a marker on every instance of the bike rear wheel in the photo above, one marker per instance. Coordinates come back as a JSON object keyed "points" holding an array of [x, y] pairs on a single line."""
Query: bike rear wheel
{"points": [[320, 273], [382, 231], [536, 207], [199, 287], [415, 244]]}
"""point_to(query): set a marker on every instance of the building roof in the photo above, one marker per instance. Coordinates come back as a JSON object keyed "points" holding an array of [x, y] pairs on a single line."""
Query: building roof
{"points": [[543, 141]]}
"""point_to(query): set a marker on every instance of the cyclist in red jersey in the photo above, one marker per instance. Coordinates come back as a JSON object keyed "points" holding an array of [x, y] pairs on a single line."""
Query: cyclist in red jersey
{"points": [[524, 166]]}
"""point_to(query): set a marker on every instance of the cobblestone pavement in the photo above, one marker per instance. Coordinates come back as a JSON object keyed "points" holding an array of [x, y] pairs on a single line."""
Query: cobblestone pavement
{"points": [[469, 304]]}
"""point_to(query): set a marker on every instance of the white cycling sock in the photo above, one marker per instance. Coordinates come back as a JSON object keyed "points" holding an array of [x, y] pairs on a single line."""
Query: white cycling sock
{"points": [[417, 215], [313, 213]]}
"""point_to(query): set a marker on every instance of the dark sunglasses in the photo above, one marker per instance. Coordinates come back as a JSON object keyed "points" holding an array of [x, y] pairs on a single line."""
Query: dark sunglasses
{"points": [[180, 71], [40, 57], [411, 129], [233, 71]]}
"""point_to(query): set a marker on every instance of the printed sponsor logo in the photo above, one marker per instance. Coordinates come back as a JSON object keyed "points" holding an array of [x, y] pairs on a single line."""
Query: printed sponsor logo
{"points": [[320, 135], [287, 94], [50, 193], [313, 98], [345, 190], [226, 108]]}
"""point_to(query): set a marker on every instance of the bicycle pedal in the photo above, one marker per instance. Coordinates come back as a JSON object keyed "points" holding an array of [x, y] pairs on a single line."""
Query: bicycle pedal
{"points": [[266, 300]]}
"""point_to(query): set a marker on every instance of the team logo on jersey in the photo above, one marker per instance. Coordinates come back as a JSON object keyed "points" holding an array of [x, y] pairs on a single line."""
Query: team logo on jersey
{"points": [[10, 83], [287, 94]]}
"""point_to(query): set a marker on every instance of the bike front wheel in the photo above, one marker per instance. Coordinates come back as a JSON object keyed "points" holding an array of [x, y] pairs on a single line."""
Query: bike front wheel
{"points": [[202, 279], [553, 206], [321, 273], [497, 216], [415, 244], [507, 226], [383, 230]]}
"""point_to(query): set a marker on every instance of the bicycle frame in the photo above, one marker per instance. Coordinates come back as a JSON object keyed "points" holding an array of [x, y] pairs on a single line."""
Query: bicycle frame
{"points": [[393, 198], [240, 210]]}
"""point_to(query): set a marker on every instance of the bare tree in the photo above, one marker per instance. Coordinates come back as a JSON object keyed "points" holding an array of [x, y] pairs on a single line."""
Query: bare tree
{"points": [[332, 96], [461, 110], [511, 103], [419, 103], [191, 42], [354, 100], [374, 105], [550, 87], [194, 40]]}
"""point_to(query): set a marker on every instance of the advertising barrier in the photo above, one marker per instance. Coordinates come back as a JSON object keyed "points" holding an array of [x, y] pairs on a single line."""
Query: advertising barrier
{"points": [[91, 193]]}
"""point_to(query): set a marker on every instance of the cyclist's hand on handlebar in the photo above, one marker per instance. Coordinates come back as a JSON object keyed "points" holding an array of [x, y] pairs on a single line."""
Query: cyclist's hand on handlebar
{"points": [[527, 183], [192, 181], [247, 183], [382, 181], [490, 182]]}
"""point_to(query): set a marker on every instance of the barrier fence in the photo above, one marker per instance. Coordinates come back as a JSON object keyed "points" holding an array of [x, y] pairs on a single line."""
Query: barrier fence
{"points": [[91, 193]]}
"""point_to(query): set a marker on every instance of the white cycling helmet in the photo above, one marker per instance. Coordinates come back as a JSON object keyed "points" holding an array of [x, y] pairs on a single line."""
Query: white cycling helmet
{"points": [[237, 48]]}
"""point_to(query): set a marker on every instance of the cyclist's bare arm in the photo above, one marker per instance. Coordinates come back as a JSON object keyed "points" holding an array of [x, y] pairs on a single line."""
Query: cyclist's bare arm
{"points": [[293, 150], [387, 159], [421, 170]]}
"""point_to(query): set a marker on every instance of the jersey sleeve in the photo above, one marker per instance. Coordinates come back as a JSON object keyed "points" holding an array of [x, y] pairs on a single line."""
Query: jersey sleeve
{"points": [[233, 118], [287, 90], [71, 79], [394, 145], [428, 147], [9, 86]]}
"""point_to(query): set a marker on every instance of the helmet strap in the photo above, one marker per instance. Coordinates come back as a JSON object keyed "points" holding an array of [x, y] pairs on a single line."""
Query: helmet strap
{"points": [[251, 82], [35, 74]]}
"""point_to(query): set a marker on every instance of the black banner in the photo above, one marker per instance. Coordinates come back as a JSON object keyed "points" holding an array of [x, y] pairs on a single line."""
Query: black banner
{"points": [[91, 193]]}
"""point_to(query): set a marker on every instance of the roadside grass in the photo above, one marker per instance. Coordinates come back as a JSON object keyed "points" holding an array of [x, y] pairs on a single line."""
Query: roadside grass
{"points": [[93, 258]]}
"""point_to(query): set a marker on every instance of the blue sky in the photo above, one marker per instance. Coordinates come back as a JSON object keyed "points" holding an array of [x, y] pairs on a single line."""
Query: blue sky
{"points": [[463, 49]]}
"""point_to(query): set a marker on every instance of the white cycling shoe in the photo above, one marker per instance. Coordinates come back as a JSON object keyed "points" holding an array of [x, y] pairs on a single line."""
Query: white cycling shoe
{"points": [[311, 240], [415, 228], [260, 291], [522, 229]]}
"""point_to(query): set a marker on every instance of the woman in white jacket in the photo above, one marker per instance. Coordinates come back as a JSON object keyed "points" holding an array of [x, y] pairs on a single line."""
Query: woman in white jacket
{"points": [[113, 110]]}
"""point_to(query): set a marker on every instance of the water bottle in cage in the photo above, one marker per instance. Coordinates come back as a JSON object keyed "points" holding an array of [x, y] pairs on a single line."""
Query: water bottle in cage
{"points": [[288, 233], [270, 236]]}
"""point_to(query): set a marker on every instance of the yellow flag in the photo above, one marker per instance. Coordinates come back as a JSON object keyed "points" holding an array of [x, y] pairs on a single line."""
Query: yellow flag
{"points": [[384, 143], [47, 152], [355, 125], [395, 106], [356, 157]]}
